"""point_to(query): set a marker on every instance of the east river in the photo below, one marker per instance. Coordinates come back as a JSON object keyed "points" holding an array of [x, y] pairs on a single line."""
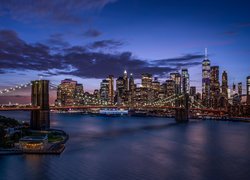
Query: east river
{"points": [[108, 148]]}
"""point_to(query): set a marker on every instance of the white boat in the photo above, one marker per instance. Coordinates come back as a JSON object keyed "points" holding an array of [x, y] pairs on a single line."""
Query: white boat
{"points": [[113, 112]]}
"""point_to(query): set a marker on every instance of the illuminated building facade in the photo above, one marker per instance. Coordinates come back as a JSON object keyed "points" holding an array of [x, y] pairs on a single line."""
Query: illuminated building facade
{"points": [[125, 79], [185, 81], [248, 90], [131, 88], [104, 91], [214, 87], [156, 87], [143, 96], [79, 95], [111, 89], [176, 77], [120, 90], [240, 89], [66, 93], [146, 80], [169, 88], [224, 85], [206, 82], [223, 101]]}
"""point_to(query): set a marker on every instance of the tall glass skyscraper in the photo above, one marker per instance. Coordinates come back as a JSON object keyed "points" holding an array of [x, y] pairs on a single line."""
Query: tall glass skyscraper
{"points": [[206, 81], [185, 81]]}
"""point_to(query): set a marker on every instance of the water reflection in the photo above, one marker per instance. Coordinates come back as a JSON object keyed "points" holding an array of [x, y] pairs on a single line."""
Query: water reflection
{"points": [[138, 148]]}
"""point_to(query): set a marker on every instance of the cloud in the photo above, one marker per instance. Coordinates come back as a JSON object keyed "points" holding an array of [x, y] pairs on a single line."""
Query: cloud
{"points": [[81, 61], [92, 33], [57, 10], [182, 59], [107, 44]]}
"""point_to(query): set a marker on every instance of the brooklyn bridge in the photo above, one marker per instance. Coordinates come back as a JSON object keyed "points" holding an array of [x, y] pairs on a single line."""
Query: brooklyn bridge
{"points": [[180, 105]]}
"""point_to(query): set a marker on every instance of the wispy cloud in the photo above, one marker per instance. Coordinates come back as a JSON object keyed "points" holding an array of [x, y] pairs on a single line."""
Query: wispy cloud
{"points": [[57, 10]]}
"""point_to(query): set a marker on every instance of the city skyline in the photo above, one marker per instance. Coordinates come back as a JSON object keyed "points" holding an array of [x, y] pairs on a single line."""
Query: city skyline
{"points": [[108, 36], [155, 43], [210, 75], [124, 89]]}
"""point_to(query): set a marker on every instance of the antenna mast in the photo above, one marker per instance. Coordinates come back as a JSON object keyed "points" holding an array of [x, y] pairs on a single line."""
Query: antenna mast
{"points": [[206, 54]]}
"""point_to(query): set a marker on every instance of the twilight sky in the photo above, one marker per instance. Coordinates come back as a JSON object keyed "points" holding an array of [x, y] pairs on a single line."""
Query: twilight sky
{"points": [[88, 39]]}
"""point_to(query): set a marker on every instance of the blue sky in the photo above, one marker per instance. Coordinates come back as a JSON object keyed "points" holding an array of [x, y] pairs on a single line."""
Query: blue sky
{"points": [[87, 40]]}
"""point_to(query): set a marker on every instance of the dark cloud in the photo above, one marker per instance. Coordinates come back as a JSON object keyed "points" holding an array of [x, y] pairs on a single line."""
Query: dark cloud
{"points": [[58, 10], [92, 33], [17, 55], [107, 44], [181, 59]]}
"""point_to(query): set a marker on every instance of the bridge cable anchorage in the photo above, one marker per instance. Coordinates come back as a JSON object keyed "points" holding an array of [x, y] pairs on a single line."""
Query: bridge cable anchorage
{"points": [[17, 87]]}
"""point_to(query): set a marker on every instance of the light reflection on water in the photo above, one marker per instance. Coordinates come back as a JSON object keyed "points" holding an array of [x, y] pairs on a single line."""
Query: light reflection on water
{"points": [[137, 148]]}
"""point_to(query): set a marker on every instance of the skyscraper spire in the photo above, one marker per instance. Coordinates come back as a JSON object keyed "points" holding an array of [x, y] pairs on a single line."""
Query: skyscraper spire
{"points": [[206, 54]]}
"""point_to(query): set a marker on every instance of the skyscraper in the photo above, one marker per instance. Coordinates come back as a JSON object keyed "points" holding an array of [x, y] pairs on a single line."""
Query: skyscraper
{"points": [[146, 80], [176, 77], [66, 93], [111, 89], [79, 94], [156, 87], [240, 89], [248, 90], [120, 90], [104, 91], [131, 88], [206, 81], [185, 81], [223, 101], [156, 84], [169, 88], [224, 85], [234, 88], [131, 83], [214, 87], [125, 79]]}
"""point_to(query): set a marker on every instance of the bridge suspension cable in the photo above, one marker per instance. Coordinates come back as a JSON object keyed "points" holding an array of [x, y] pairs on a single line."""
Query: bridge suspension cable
{"points": [[15, 88]]}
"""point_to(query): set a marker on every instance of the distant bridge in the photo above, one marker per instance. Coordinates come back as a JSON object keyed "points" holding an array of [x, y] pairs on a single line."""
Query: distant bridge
{"points": [[40, 107]]}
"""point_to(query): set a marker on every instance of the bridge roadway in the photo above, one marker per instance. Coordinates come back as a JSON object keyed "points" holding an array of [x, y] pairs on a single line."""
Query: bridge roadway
{"points": [[102, 107]]}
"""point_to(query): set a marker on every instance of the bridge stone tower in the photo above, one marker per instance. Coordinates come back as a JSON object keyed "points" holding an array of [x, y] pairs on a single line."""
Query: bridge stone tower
{"points": [[182, 109], [40, 119]]}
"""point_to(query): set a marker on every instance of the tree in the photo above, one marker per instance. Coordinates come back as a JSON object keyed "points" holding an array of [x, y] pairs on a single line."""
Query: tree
{"points": [[2, 136]]}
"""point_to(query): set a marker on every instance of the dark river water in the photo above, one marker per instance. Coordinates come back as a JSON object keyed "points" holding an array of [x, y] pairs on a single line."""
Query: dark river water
{"points": [[137, 148]]}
